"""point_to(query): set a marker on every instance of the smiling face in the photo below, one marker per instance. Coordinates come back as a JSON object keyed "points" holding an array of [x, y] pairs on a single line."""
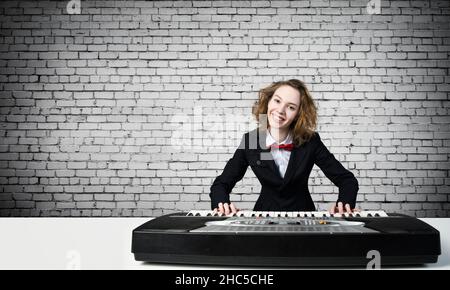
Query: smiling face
{"points": [[283, 108]]}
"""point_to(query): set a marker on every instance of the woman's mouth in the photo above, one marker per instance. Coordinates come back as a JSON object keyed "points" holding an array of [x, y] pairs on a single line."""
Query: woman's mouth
{"points": [[277, 118]]}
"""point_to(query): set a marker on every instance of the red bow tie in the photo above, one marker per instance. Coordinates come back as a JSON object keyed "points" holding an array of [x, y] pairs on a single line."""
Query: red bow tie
{"points": [[287, 147]]}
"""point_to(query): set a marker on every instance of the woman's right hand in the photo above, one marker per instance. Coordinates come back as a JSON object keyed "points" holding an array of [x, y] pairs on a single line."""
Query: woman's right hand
{"points": [[225, 208]]}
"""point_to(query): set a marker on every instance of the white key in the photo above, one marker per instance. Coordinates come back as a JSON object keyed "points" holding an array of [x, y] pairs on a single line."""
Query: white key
{"points": [[369, 212], [319, 213], [248, 213]]}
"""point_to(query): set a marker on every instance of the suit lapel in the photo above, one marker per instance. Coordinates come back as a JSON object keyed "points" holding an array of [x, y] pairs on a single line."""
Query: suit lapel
{"points": [[270, 162], [264, 154], [297, 155]]}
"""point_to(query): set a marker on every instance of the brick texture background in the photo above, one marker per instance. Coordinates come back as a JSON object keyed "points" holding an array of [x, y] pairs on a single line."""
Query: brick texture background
{"points": [[132, 108]]}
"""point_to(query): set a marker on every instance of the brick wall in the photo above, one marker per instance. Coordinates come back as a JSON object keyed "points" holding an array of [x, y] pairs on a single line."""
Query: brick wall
{"points": [[132, 108]]}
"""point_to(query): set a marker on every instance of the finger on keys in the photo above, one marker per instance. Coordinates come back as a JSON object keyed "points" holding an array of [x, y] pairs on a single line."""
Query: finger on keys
{"points": [[348, 208], [341, 207], [215, 210], [221, 210], [233, 208], [356, 210], [227, 208], [332, 209]]}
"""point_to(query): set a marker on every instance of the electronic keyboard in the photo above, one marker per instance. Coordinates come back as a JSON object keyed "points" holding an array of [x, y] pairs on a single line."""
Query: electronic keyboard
{"points": [[257, 238]]}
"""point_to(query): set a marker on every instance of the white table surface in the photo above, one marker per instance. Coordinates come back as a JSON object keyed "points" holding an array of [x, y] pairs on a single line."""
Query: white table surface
{"points": [[105, 243]]}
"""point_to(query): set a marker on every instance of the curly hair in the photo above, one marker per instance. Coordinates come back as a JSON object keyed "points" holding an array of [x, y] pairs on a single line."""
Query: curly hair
{"points": [[304, 125]]}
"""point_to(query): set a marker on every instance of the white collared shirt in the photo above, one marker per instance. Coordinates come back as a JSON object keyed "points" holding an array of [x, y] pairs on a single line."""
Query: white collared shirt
{"points": [[280, 156]]}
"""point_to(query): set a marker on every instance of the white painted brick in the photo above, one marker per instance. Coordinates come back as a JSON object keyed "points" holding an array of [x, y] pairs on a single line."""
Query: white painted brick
{"points": [[92, 115]]}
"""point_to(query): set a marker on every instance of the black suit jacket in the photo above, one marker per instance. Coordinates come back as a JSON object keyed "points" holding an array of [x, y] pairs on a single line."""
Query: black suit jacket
{"points": [[291, 192]]}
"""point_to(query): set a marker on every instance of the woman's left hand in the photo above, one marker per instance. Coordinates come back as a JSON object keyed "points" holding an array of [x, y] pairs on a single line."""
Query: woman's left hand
{"points": [[340, 208]]}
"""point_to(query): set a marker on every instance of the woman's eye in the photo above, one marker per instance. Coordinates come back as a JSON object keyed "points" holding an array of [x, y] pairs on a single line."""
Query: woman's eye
{"points": [[277, 101], [292, 108]]}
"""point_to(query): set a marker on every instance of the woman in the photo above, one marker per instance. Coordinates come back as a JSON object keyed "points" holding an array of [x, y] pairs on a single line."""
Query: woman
{"points": [[281, 153]]}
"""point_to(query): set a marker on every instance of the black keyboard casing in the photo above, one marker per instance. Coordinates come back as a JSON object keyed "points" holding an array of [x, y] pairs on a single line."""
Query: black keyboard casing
{"points": [[401, 240]]}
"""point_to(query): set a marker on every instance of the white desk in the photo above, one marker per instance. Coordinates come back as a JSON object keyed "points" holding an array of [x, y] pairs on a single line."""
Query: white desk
{"points": [[105, 243]]}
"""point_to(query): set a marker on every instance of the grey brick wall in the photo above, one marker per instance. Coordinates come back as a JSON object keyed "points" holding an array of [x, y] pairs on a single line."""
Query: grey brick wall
{"points": [[132, 108]]}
